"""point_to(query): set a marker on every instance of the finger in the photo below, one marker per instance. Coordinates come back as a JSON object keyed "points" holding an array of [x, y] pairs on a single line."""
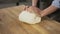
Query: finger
{"points": [[26, 7]]}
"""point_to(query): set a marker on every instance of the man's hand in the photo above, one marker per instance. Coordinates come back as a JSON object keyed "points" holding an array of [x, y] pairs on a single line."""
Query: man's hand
{"points": [[33, 9]]}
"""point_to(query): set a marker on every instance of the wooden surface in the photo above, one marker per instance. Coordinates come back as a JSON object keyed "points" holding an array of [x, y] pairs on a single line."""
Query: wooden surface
{"points": [[10, 24]]}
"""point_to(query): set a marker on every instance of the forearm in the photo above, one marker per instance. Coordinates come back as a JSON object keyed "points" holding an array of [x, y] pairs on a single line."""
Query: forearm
{"points": [[48, 10], [34, 2]]}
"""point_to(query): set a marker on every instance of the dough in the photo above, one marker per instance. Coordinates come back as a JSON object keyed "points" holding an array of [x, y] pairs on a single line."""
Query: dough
{"points": [[28, 17]]}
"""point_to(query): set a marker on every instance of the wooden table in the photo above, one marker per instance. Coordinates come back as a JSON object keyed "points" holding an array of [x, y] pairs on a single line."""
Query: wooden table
{"points": [[10, 24]]}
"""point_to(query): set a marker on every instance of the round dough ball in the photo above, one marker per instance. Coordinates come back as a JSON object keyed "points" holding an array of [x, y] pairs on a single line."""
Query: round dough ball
{"points": [[30, 18]]}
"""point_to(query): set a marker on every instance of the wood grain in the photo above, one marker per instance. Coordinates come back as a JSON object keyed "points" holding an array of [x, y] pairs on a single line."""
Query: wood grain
{"points": [[10, 24]]}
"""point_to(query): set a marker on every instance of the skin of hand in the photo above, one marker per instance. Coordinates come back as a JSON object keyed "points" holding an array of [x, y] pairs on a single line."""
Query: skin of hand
{"points": [[33, 9]]}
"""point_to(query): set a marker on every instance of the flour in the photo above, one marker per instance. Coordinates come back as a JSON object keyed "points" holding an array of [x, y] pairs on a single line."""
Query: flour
{"points": [[28, 17]]}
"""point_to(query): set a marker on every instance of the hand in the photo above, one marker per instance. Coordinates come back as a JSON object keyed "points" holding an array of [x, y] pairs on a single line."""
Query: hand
{"points": [[34, 9], [26, 7]]}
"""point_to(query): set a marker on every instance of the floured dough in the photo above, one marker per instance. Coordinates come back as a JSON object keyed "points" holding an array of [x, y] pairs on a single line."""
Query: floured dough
{"points": [[30, 18]]}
